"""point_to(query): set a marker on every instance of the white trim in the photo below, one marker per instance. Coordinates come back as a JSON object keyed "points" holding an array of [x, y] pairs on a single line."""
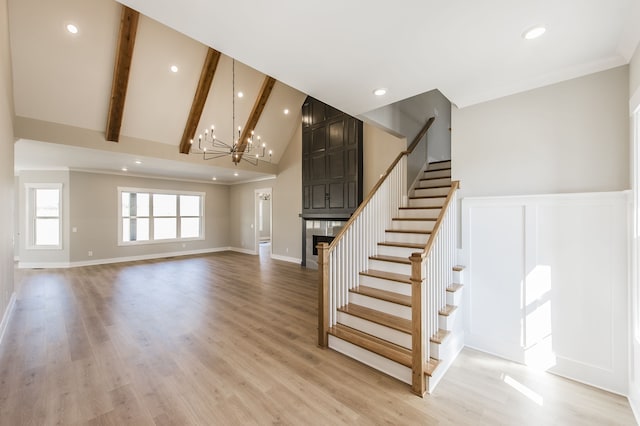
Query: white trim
{"points": [[635, 407], [243, 250], [286, 258], [30, 232], [7, 314], [56, 265], [256, 217], [634, 102], [151, 217]]}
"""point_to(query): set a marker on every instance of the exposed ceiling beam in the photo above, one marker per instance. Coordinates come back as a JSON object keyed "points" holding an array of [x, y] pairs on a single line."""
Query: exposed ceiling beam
{"points": [[126, 41], [254, 117], [199, 99]]}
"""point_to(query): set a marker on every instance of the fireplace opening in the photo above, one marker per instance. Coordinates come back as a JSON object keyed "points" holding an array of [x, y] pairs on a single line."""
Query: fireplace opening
{"points": [[320, 239]]}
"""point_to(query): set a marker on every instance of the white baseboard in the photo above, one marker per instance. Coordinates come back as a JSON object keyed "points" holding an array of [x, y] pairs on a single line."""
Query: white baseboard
{"points": [[286, 258], [54, 265], [242, 250], [7, 314]]}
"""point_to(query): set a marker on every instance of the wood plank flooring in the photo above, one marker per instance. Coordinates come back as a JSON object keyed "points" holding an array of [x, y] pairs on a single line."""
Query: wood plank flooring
{"points": [[231, 339]]}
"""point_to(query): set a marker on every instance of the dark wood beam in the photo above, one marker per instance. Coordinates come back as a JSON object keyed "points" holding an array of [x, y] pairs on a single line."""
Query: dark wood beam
{"points": [[126, 41], [254, 117], [199, 99]]}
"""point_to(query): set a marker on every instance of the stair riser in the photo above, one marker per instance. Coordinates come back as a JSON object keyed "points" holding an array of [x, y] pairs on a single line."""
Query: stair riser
{"points": [[446, 322], [419, 213], [426, 202], [413, 225], [439, 166], [428, 192], [442, 351], [397, 251], [436, 173], [458, 277], [398, 268], [380, 305], [434, 182], [371, 359], [387, 285], [454, 298], [380, 331], [403, 237]]}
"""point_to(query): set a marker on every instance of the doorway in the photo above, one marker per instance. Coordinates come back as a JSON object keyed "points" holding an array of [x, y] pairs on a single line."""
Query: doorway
{"points": [[263, 221]]}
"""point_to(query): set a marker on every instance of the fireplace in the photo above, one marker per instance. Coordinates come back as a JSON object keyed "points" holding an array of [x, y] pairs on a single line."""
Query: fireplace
{"points": [[317, 231]]}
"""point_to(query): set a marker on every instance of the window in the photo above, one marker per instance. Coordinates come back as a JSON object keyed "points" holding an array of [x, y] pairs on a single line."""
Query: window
{"points": [[159, 216], [44, 229]]}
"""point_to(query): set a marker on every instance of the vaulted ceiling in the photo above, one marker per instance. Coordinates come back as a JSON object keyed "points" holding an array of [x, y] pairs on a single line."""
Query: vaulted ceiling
{"points": [[336, 51]]}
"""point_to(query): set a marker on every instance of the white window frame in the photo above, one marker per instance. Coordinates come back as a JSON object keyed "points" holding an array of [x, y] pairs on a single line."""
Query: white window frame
{"points": [[30, 231], [149, 191]]}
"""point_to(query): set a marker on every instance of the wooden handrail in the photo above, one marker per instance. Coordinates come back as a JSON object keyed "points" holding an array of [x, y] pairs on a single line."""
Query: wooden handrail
{"points": [[364, 203], [421, 134], [436, 227]]}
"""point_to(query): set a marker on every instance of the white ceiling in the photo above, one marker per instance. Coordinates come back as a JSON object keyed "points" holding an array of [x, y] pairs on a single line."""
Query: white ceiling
{"points": [[472, 51], [66, 79], [336, 51]]}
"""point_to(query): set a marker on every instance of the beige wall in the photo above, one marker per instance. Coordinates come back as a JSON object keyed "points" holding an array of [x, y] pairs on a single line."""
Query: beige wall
{"points": [[6, 166], [379, 150], [287, 202], [242, 204], [568, 137], [94, 214]]}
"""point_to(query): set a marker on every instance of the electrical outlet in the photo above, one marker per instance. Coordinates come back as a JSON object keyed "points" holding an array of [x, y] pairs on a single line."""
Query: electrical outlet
{"points": [[90, 253]]}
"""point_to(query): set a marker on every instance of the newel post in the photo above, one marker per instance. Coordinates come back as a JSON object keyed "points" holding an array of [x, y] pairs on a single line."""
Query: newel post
{"points": [[323, 294], [418, 383]]}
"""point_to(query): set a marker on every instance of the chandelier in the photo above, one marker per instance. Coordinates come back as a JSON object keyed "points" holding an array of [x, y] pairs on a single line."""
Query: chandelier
{"points": [[211, 147]]}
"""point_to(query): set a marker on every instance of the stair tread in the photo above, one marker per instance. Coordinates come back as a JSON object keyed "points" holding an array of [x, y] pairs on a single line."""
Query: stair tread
{"points": [[378, 317], [434, 187], [428, 196], [454, 287], [447, 310], [421, 208], [406, 245], [381, 347], [440, 336], [458, 268], [391, 276], [436, 177], [411, 231], [388, 296], [430, 366], [424, 219], [394, 259]]}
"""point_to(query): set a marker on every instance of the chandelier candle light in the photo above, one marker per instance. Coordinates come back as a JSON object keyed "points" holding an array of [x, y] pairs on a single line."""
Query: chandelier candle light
{"points": [[211, 147]]}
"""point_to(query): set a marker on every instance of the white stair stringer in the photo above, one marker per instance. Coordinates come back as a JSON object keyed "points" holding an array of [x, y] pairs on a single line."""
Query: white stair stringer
{"points": [[456, 343], [371, 359]]}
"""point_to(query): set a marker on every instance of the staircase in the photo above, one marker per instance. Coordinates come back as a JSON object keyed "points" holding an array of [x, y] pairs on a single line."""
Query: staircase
{"points": [[382, 319]]}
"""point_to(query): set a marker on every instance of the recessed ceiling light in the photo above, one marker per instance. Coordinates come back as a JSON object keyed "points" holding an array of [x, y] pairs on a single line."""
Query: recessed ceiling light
{"points": [[72, 29], [174, 68], [214, 178], [534, 32], [380, 92], [124, 169], [235, 174], [240, 94], [286, 111], [138, 162]]}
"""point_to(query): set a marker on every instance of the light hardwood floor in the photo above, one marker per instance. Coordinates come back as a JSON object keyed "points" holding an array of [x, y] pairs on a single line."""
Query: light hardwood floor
{"points": [[231, 339]]}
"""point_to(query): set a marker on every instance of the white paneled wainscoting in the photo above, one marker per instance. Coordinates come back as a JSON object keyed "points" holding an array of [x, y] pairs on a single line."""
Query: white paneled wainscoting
{"points": [[546, 282]]}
